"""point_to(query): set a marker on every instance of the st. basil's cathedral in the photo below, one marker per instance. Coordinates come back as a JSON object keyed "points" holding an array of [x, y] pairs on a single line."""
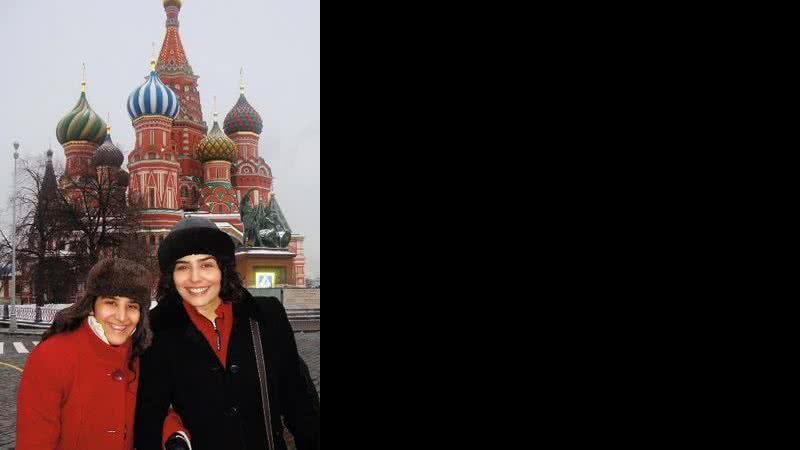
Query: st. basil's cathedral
{"points": [[177, 166]]}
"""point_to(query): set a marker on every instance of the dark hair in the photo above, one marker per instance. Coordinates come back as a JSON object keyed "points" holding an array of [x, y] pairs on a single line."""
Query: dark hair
{"points": [[71, 318], [231, 289]]}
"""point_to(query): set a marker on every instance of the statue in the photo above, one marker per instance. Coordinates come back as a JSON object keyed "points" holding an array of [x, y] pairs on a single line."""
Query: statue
{"points": [[264, 226]]}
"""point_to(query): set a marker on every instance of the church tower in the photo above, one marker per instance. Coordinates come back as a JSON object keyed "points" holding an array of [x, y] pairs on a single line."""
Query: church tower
{"points": [[243, 125], [217, 153], [108, 161], [153, 163], [189, 128], [80, 132]]}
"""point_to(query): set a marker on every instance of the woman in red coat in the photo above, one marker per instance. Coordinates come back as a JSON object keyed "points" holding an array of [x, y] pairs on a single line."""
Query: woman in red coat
{"points": [[78, 388]]}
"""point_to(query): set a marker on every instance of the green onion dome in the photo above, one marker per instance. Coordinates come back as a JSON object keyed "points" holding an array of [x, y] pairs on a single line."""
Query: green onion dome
{"points": [[81, 124]]}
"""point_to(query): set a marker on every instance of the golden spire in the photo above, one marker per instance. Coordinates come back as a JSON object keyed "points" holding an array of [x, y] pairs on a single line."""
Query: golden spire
{"points": [[215, 108], [108, 123], [83, 79], [153, 59], [241, 80]]}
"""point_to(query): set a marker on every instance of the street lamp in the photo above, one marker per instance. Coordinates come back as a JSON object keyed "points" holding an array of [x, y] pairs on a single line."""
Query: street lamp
{"points": [[12, 326]]}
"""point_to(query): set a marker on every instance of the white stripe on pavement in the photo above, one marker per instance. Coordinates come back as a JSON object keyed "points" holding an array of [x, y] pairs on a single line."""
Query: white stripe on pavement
{"points": [[35, 343], [20, 348], [2, 344]]}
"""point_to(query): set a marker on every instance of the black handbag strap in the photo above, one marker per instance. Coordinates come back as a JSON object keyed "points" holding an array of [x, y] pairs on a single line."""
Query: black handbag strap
{"points": [[262, 377]]}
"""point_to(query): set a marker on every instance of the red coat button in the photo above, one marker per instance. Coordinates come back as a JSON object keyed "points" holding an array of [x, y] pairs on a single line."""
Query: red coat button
{"points": [[117, 375]]}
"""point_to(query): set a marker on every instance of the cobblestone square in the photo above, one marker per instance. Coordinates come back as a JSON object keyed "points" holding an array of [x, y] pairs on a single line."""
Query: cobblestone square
{"points": [[11, 358]]}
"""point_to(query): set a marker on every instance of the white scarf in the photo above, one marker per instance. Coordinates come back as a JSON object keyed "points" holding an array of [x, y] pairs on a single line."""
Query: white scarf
{"points": [[98, 329]]}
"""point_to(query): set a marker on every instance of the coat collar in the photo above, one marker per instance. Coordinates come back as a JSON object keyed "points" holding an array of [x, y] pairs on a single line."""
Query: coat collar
{"points": [[170, 312], [171, 315], [107, 353]]}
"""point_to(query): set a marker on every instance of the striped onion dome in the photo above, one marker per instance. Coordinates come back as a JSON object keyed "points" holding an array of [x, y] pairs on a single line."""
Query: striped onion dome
{"points": [[153, 98], [243, 117], [108, 154], [81, 124], [216, 146]]}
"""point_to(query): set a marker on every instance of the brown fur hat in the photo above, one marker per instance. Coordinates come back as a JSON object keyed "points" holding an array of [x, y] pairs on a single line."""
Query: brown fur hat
{"points": [[117, 277]]}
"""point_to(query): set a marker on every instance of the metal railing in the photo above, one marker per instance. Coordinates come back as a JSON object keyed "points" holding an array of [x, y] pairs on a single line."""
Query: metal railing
{"points": [[45, 314], [33, 313], [303, 314]]}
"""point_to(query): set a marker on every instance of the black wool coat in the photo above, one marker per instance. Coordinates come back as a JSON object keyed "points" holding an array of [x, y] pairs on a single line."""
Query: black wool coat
{"points": [[222, 407]]}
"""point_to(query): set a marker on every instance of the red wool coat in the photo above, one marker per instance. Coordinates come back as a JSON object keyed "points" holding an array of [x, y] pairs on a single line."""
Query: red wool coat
{"points": [[76, 393]]}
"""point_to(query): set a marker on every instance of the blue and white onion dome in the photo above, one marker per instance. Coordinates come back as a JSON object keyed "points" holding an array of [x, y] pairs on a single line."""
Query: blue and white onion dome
{"points": [[153, 98]]}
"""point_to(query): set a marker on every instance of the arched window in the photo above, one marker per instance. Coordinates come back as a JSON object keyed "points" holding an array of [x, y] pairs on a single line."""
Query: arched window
{"points": [[184, 192]]}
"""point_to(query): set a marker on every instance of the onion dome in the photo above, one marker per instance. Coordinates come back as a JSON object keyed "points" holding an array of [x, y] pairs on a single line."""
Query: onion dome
{"points": [[81, 123], [172, 3], [216, 146], [243, 117], [153, 98], [108, 154], [123, 178]]}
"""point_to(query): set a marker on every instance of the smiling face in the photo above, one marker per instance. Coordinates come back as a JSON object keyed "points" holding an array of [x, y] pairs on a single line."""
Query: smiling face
{"points": [[118, 316], [198, 279]]}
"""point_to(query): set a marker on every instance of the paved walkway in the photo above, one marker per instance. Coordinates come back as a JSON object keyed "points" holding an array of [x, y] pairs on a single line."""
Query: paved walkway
{"points": [[14, 351], [10, 362]]}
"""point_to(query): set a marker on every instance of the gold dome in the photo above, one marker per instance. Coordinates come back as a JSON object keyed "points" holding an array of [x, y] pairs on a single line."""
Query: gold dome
{"points": [[172, 3], [216, 146]]}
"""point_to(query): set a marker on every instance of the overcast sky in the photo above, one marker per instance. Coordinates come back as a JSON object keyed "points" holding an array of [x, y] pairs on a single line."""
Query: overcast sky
{"points": [[277, 42]]}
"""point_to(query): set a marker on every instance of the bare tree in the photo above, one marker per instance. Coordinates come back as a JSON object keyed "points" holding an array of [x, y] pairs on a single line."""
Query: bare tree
{"points": [[103, 222], [313, 282], [64, 227], [41, 224]]}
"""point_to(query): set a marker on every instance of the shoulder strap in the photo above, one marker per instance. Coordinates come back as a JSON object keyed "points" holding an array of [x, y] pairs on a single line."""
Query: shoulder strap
{"points": [[262, 377]]}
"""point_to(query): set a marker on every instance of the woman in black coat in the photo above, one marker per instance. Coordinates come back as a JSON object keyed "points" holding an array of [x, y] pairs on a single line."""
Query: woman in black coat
{"points": [[203, 361]]}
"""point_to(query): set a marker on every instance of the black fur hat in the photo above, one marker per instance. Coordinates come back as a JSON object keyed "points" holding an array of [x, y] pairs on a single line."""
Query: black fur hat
{"points": [[195, 236], [117, 277]]}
